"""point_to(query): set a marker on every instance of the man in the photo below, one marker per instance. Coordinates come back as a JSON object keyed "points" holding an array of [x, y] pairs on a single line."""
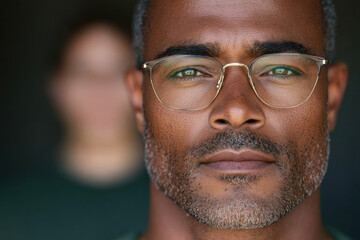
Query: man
{"points": [[236, 102]]}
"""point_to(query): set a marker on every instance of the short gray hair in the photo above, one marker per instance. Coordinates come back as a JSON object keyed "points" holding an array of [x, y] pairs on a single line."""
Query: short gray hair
{"points": [[141, 12]]}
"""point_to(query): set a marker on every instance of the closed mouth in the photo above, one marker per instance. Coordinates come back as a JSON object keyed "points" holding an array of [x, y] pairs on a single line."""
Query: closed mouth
{"points": [[243, 160]]}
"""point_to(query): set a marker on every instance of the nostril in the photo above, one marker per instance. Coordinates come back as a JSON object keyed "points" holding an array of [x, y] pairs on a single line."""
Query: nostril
{"points": [[221, 121], [251, 121], [224, 121]]}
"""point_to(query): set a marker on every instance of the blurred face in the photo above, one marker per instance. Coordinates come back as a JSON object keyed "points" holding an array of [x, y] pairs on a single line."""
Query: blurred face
{"points": [[237, 163], [89, 88]]}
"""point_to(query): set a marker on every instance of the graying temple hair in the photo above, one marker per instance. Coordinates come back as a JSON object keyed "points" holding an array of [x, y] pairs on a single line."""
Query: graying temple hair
{"points": [[140, 16]]}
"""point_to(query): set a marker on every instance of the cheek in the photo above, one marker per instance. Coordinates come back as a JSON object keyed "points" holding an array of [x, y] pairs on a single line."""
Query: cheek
{"points": [[173, 128], [305, 122], [73, 100]]}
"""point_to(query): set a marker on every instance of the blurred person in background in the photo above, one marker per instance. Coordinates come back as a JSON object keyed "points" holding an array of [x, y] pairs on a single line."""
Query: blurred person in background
{"points": [[97, 186], [100, 146]]}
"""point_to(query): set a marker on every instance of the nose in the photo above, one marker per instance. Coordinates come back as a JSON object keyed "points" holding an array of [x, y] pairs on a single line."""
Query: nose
{"points": [[236, 106]]}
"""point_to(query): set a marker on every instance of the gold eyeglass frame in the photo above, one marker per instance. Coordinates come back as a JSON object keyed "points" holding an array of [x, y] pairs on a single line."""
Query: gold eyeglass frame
{"points": [[320, 61]]}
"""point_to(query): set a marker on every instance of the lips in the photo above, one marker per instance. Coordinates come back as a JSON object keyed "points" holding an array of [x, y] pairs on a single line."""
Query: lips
{"points": [[232, 161]]}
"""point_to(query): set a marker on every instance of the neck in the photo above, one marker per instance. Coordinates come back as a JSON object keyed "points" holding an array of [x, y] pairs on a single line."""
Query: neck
{"points": [[101, 162], [168, 221]]}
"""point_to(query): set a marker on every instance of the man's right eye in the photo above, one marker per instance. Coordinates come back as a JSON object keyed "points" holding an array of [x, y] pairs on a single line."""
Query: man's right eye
{"points": [[186, 73]]}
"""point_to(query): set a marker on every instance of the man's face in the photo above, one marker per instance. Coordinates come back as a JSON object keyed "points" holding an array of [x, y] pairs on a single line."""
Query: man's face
{"points": [[236, 163]]}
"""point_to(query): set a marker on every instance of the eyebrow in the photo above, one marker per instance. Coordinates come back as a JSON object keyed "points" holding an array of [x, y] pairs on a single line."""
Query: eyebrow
{"points": [[262, 48], [255, 50], [207, 49]]}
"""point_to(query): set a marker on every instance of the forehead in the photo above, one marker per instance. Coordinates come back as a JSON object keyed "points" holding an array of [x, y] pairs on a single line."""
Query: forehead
{"points": [[97, 36], [234, 24], [96, 44]]}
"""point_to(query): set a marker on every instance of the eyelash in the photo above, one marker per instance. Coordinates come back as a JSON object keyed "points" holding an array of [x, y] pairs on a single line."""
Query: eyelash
{"points": [[173, 75], [295, 72]]}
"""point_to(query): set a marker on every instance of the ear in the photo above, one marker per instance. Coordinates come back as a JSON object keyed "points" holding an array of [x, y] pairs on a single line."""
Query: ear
{"points": [[337, 76], [134, 81]]}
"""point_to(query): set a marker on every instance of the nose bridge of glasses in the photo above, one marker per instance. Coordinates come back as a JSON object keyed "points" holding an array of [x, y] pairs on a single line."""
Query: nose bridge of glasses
{"points": [[235, 64]]}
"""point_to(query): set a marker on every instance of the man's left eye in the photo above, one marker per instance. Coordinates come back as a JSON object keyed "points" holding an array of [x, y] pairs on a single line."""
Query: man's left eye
{"points": [[281, 71]]}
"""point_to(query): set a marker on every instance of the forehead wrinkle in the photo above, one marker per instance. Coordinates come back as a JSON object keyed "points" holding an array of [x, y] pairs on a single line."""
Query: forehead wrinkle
{"points": [[218, 10], [241, 22], [206, 17]]}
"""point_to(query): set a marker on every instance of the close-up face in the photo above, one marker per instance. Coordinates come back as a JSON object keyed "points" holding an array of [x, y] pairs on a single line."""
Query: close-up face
{"points": [[89, 87], [237, 162]]}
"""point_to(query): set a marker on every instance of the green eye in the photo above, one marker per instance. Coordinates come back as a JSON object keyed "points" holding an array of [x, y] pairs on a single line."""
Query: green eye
{"points": [[188, 73], [283, 71]]}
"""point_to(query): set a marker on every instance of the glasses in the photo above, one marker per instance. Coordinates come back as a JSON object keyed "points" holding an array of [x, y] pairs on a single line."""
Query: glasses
{"points": [[192, 82]]}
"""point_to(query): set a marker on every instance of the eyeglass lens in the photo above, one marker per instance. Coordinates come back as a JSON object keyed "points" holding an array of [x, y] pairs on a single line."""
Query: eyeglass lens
{"points": [[192, 82]]}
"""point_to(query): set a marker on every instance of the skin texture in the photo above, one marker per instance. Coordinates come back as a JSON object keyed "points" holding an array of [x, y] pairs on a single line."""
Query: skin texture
{"points": [[277, 202], [100, 146]]}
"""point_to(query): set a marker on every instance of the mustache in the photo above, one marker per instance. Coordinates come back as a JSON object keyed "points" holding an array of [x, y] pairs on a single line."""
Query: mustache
{"points": [[231, 139]]}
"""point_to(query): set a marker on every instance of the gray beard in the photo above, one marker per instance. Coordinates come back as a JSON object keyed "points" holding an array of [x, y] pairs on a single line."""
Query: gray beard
{"points": [[174, 174]]}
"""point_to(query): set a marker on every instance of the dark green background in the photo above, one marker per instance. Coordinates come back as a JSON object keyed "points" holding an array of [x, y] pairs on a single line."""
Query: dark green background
{"points": [[29, 129]]}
